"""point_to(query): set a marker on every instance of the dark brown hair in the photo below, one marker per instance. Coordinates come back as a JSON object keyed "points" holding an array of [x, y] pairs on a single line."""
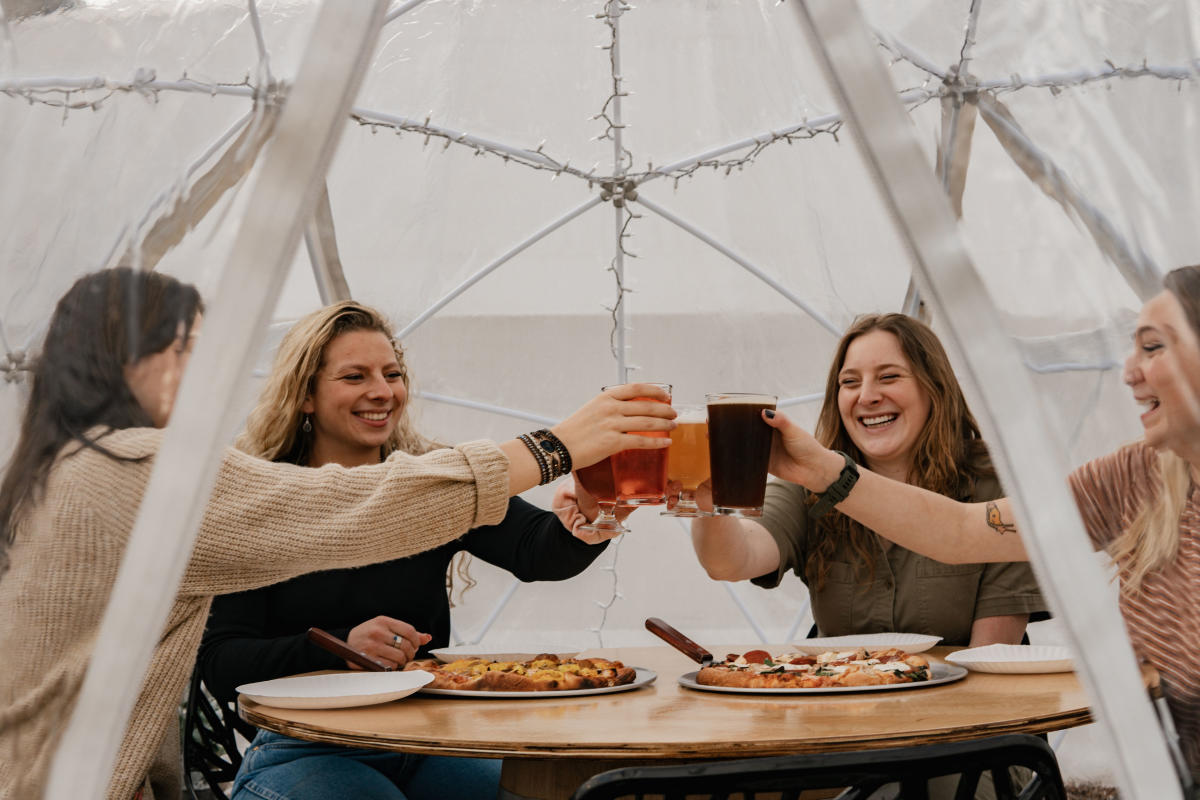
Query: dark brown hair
{"points": [[105, 321], [949, 456]]}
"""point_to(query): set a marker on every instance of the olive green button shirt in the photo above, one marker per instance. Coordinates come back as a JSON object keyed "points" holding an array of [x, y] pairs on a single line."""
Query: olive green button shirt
{"points": [[910, 593]]}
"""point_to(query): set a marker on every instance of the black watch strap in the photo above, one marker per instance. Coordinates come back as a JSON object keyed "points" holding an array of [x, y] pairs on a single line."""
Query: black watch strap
{"points": [[838, 491]]}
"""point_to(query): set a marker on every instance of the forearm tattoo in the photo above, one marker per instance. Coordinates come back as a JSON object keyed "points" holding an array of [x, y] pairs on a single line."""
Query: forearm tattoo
{"points": [[996, 522]]}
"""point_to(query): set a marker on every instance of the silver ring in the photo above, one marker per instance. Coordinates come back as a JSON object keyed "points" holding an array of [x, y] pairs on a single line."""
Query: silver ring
{"points": [[396, 640]]}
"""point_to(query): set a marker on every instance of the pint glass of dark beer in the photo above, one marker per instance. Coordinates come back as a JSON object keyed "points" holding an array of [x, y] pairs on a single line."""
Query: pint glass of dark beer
{"points": [[641, 475], [739, 447]]}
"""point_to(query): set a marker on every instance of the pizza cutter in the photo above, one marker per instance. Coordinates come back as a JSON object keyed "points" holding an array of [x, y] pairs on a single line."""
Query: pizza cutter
{"points": [[680, 642]]}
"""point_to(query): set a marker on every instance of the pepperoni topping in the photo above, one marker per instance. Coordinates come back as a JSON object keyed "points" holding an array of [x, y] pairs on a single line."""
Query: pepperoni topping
{"points": [[756, 656], [803, 660]]}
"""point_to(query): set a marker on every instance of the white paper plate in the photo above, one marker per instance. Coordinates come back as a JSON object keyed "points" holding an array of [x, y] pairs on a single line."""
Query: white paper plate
{"points": [[448, 654], [336, 690], [908, 642], [1014, 658], [939, 674], [644, 677]]}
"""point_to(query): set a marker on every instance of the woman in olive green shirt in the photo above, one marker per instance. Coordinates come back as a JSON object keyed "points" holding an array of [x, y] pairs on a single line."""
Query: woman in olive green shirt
{"points": [[892, 403]]}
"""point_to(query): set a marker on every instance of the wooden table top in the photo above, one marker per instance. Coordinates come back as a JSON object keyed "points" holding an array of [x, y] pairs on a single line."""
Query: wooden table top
{"points": [[667, 721]]}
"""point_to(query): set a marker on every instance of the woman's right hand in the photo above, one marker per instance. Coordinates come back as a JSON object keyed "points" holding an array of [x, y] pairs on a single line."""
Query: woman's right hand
{"points": [[799, 458], [602, 426], [385, 639]]}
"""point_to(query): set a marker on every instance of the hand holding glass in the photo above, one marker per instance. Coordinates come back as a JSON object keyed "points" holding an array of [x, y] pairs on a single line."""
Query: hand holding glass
{"points": [[739, 443], [597, 480], [641, 475]]}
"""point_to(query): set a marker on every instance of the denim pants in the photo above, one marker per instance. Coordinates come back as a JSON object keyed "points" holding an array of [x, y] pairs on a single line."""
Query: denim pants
{"points": [[278, 767]]}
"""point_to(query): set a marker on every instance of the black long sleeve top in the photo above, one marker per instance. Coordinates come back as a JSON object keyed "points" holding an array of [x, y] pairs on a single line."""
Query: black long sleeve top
{"points": [[261, 634]]}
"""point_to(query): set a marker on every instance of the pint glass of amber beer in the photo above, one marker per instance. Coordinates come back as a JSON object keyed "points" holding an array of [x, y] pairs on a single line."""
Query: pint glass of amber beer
{"points": [[641, 475], [739, 446], [687, 459]]}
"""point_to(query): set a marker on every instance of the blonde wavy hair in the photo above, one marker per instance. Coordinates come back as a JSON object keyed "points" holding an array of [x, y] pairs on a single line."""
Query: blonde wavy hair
{"points": [[1152, 539], [274, 429]]}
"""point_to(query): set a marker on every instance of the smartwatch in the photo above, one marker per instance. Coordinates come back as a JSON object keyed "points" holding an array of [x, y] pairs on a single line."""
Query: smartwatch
{"points": [[838, 491]]}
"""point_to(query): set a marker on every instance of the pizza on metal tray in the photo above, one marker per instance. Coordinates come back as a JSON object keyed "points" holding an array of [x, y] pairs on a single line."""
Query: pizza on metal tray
{"points": [[544, 673], [758, 669]]}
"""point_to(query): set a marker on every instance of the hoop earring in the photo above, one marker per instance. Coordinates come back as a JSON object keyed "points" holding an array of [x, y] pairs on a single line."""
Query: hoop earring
{"points": [[307, 425]]}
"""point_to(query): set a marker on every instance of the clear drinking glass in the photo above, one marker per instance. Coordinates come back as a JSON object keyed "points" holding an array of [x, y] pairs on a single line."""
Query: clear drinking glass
{"points": [[641, 475], [739, 446], [687, 459], [598, 481]]}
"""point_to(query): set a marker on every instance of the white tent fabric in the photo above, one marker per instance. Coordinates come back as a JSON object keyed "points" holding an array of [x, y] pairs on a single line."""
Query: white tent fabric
{"points": [[482, 124]]}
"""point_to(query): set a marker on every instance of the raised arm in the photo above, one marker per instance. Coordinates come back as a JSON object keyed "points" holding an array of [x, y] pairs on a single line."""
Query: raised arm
{"points": [[922, 521], [731, 549], [597, 430]]}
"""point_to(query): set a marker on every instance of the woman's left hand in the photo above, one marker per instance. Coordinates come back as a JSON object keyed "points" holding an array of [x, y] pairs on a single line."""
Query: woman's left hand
{"points": [[575, 508], [566, 506]]}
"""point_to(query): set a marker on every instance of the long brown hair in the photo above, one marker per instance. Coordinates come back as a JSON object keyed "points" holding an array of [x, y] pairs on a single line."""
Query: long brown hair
{"points": [[949, 456], [105, 321], [1152, 540]]}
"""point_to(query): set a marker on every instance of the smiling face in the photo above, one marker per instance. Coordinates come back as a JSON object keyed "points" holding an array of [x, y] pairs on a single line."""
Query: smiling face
{"points": [[1164, 374], [356, 400], [882, 405]]}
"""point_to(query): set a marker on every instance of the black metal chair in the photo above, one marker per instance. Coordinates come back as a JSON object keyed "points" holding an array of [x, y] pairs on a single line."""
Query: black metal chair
{"points": [[860, 774], [210, 747]]}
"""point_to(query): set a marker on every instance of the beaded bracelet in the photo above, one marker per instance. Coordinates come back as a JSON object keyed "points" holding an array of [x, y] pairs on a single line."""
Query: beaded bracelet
{"points": [[552, 456], [555, 449], [538, 456]]}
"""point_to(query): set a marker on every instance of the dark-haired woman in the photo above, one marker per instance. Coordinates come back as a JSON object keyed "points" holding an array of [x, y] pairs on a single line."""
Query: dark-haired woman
{"points": [[892, 403], [71, 491], [1140, 504]]}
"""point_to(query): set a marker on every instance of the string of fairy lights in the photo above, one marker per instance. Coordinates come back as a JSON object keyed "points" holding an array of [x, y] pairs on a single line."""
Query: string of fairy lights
{"points": [[618, 183]]}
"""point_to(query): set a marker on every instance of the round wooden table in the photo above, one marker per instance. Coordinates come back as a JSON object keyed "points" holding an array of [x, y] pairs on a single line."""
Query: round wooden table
{"points": [[551, 745]]}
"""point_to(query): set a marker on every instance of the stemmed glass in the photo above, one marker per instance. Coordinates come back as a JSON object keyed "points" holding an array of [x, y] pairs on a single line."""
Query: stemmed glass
{"points": [[687, 459], [597, 480]]}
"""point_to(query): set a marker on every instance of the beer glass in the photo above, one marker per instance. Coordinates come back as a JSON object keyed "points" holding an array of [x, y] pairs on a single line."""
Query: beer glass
{"points": [[739, 446], [598, 481], [687, 459], [641, 475]]}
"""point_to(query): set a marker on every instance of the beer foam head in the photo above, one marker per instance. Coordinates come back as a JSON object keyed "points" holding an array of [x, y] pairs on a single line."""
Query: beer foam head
{"points": [[741, 398]]}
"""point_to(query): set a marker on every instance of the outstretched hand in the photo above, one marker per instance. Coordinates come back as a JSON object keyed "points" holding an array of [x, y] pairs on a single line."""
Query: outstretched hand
{"points": [[575, 508], [602, 426], [799, 458]]}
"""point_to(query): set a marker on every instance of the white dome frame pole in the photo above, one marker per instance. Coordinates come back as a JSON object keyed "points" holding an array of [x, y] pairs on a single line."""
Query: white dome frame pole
{"points": [[1034, 474], [185, 468]]}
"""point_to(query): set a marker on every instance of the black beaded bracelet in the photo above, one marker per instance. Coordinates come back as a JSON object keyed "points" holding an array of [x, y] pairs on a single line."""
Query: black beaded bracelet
{"points": [[559, 455], [552, 456], [538, 456]]}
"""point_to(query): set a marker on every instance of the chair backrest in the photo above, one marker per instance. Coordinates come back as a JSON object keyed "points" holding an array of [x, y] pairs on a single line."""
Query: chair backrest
{"points": [[859, 774], [210, 746]]}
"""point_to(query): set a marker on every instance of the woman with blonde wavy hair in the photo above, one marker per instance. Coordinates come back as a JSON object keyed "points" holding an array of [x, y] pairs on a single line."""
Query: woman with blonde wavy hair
{"points": [[1140, 504], [338, 394], [893, 403]]}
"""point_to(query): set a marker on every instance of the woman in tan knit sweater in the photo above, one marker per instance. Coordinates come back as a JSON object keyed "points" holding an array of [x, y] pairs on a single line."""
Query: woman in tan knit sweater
{"points": [[1141, 504], [103, 386]]}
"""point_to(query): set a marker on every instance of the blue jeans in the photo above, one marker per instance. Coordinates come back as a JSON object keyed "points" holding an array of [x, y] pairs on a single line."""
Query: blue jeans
{"points": [[278, 767]]}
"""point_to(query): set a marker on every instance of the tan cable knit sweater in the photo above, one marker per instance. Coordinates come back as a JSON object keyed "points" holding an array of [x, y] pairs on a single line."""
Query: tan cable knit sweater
{"points": [[265, 522]]}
